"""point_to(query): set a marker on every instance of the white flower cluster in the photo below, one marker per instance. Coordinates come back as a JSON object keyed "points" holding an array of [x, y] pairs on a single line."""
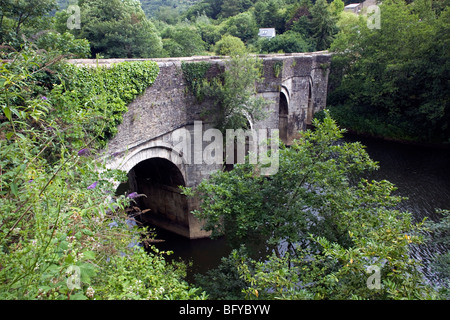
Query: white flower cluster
{"points": [[90, 292], [157, 292]]}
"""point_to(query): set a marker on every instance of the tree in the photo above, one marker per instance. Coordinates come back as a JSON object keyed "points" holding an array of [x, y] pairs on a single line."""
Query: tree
{"points": [[153, 8], [211, 8], [314, 178], [229, 46], [337, 7], [182, 40], [233, 93], [242, 26], [323, 24], [300, 20], [65, 44], [287, 42], [118, 29], [209, 32], [325, 222], [392, 82], [270, 15], [167, 14], [233, 7], [20, 13]]}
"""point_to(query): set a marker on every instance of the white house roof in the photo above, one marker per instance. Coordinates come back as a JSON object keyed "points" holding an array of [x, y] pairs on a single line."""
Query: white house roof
{"points": [[266, 32], [352, 5]]}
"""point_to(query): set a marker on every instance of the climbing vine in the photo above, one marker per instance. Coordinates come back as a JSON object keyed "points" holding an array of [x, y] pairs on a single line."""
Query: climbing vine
{"points": [[277, 67], [106, 92], [194, 73], [324, 67], [233, 93]]}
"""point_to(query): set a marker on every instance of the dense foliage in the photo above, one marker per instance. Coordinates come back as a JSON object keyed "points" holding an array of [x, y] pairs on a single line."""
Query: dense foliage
{"points": [[20, 16], [229, 45], [311, 26], [64, 234], [150, 28], [182, 41], [393, 82], [154, 8], [118, 28], [25, 21], [194, 74], [325, 222], [231, 92], [103, 94]]}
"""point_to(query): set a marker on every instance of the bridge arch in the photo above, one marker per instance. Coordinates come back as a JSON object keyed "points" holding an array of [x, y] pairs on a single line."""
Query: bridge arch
{"points": [[154, 150], [149, 127], [157, 172], [159, 180]]}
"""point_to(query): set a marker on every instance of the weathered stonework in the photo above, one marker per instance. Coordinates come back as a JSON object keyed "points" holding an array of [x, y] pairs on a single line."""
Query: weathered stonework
{"points": [[151, 125]]}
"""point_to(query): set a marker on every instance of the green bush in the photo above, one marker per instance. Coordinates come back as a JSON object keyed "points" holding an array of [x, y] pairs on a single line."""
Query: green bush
{"points": [[64, 44], [103, 93], [229, 46], [287, 42]]}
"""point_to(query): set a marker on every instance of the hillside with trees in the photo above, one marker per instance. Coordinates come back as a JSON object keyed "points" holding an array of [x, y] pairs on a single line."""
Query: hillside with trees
{"points": [[132, 25], [130, 28]]}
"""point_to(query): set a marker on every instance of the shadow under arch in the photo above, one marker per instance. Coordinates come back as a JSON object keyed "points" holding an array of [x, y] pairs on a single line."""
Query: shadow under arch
{"points": [[310, 106], [159, 180], [283, 116], [157, 172], [159, 150]]}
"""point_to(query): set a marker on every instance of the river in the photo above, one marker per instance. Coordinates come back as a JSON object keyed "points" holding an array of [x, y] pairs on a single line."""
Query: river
{"points": [[422, 174]]}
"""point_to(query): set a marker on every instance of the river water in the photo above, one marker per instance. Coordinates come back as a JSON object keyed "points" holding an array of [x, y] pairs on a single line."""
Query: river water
{"points": [[422, 174]]}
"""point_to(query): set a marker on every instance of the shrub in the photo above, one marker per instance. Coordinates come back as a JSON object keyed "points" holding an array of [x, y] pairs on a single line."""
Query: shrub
{"points": [[229, 46]]}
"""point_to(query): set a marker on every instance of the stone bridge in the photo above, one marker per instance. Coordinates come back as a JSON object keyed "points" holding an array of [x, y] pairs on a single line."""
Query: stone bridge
{"points": [[294, 84]]}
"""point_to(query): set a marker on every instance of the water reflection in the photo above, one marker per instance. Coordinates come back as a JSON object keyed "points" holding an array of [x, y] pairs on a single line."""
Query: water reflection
{"points": [[200, 255], [422, 174]]}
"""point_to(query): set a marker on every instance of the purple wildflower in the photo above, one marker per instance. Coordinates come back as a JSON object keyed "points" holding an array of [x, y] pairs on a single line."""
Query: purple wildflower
{"points": [[113, 224], [131, 223], [44, 98], [133, 195], [92, 186], [30, 181], [83, 152]]}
